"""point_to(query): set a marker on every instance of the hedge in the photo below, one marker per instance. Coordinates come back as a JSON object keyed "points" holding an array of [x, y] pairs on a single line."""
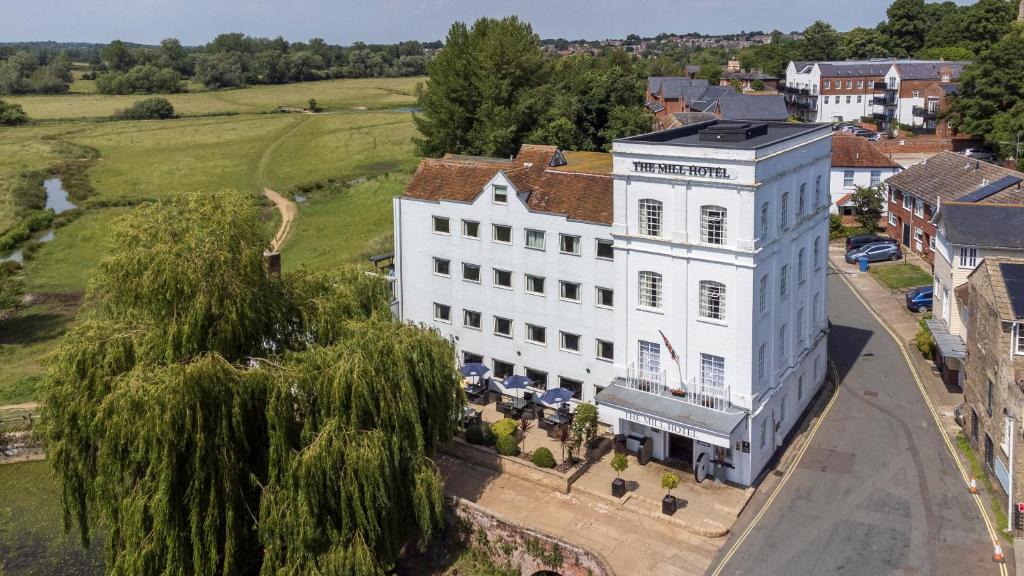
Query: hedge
{"points": [[543, 458], [507, 445], [481, 435], [505, 427]]}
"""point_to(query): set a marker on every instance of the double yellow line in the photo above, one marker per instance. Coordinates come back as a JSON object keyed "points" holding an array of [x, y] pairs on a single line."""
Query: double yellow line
{"points": [[938, 423]]}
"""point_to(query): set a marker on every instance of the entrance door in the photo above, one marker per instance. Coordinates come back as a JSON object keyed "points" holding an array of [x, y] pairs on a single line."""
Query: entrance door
{"points": [[680, 448], [906, 235]]}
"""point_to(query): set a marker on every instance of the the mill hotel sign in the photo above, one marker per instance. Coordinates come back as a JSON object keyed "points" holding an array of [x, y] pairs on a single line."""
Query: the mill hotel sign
{"points": [[680, 169]]}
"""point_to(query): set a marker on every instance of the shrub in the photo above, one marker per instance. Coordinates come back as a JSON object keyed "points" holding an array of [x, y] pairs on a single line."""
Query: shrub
{"points": [[480, 435], [669, 481], [506, 445], [505, 427], [148, 109], [924, 340], [12, 114], [35, 222], [836, 228], [543, 458]]}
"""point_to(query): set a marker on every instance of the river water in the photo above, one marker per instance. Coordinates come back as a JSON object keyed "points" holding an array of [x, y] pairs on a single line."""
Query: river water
{"points": [[57, 200]]}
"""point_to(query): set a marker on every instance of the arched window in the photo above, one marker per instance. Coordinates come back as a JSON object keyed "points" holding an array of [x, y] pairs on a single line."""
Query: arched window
{"points": [[712, 300], [712, 224], [650, 217], [650, 289]]}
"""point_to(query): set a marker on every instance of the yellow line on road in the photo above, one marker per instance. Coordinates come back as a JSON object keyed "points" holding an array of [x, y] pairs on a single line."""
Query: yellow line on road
{"points": [[782, 483], [938, 423]]}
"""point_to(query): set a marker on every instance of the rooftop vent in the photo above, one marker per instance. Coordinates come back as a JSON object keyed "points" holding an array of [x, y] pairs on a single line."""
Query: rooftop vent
{"points": [[732, 132]]}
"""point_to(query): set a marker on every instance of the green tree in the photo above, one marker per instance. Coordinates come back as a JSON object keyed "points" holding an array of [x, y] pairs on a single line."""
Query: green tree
{"points": [[821, 42], [625, 121], [906, 26], [711, 72], [990, 101], [174, 56], [214, 419], [945, 53], [869, 203], [117, 56], [862, 43], [148, 109], [219, 70]]}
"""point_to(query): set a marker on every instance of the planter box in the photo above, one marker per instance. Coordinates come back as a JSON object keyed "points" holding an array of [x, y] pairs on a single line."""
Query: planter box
{"points": [[668, 505], [618, 488]]}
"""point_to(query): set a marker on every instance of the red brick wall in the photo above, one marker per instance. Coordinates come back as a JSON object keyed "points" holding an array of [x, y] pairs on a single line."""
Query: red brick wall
{"points": [[905, 216]]}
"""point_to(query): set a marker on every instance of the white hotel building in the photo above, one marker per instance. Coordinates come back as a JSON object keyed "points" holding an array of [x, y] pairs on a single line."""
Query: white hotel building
{"points": [[714, 234]]}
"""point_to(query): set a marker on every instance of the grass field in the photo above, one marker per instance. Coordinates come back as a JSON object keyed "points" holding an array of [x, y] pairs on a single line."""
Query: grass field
{"points": [[83, 102], [32, 540], [900, 276]]}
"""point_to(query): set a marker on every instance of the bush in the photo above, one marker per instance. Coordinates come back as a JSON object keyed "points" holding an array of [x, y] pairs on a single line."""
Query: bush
{"points": [[148, 109], [35, 222], [836, 228], [924, 340], [505, 427], [506, 445], [12, 114], [543, 458], [480, 435]]}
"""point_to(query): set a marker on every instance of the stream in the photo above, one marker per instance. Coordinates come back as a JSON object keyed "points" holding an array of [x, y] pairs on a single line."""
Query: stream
{"points": [[57, 200]]}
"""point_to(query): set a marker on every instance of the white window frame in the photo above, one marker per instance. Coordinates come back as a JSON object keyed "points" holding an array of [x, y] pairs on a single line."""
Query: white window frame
{"points": [[801, 268], [598, 242], [908, 202], [968, 258], [572, 237], [919, 209], [494, 233], [446, 262], [817, 253], [531, 333], [784, 281], [712, 370], [561, 291], [762, 370], [447, 224], [511, 324], [527, 232], [784, 212], [710, 232], [1019, 338], [479, 319], [562, 340], [817, 191], [892, 219], [465, 229], [711, 301], [598, 290], [763, 296], [651, 214], [848, 176], [499, 194], [876, 177], [533, 277], [766, 219], [466, 266], [598, 352], [494, 278], [438, 312], [651, 290], [801, 203]]}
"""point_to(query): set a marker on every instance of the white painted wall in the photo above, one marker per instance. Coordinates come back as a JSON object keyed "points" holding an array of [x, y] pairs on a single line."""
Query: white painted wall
{"points": [[861, 177]]}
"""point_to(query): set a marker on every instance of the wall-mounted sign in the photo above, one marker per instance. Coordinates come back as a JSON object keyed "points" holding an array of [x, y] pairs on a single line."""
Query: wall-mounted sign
{"points": [[680, 169]]}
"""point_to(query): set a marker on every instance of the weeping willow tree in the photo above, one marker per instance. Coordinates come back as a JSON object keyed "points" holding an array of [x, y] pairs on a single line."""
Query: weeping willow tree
{"points": [[209, 418]]}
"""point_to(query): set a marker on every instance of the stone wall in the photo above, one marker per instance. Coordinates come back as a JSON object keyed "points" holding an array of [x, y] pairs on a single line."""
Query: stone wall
{"points": [[531, 551]]}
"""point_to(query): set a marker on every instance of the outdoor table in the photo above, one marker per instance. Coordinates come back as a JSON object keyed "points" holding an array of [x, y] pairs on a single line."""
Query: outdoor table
{"points": [[558, 418], [513, 406], [469, 416]]}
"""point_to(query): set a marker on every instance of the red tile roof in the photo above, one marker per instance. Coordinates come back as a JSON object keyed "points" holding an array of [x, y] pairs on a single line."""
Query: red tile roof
{"points": [[849, 151], [579, 195]]}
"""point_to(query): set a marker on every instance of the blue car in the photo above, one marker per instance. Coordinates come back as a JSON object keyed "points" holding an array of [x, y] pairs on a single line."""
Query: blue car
{"points": [[920, 299]]}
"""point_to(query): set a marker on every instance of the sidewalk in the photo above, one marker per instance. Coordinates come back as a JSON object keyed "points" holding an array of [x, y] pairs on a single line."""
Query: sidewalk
{"points": [[631, 543]]}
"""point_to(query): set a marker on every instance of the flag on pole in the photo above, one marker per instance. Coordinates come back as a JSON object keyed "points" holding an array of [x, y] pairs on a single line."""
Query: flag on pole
{"points": [[671, 350]]}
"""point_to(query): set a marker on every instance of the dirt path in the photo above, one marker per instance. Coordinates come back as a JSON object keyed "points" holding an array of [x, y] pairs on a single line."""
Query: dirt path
{"points": [[288, 210], [23, 407]]}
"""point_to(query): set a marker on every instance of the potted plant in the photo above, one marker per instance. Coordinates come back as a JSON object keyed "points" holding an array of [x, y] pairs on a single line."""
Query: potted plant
{"points": [[677, 391], [619, 463], [668, 503], [524, 426]]}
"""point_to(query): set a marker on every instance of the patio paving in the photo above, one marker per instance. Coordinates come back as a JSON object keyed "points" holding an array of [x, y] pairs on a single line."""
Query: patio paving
{"points": [[535, 436]]}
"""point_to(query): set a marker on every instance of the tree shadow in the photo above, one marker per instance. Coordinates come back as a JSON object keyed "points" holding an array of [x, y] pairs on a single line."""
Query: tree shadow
{"points": [[33, 325]]}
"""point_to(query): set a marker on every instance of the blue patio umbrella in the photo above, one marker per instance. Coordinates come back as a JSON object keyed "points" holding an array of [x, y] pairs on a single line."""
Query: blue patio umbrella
{"points": [[556, 396], [516, 382], [474, 369]]}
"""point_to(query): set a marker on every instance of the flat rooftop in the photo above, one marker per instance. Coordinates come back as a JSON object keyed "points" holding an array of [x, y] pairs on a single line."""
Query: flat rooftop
{"points": [[586, 162], [734, 134]]}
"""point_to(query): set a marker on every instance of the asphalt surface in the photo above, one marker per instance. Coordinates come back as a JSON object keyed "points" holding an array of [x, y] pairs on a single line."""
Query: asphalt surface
{"points": [[877, 491]]}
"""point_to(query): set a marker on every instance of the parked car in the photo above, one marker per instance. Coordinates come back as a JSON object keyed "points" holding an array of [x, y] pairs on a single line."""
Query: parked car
{"points": [[842, 127], [853, 242], [876, 252], [868, 134], [979, 154], [920, 299]]}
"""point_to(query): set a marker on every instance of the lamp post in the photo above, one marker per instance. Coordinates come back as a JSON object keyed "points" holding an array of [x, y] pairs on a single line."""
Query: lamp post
{"points": [[1011, 418]]}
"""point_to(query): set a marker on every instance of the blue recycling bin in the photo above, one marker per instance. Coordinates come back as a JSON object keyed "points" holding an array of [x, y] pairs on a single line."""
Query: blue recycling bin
{"points": [[863, 263]]}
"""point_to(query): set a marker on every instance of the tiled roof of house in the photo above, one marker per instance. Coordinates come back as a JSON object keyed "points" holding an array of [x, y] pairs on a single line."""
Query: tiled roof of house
{"points": [[931, 70], [995, 290], [752, 75], [750, 107], [679, 119], [849, 151], [983, 224], [577, 191], [948, 176]]}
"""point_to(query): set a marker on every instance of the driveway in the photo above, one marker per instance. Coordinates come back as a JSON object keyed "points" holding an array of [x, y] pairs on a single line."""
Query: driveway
{"points": [[877, 491]]}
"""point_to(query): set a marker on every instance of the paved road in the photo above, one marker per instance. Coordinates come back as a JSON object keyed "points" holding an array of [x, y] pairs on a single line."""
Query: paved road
{"points": [[876, 492]]}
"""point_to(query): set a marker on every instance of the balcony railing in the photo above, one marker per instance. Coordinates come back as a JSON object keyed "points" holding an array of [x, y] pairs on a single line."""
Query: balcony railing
{"points": [[645, 380], [923, 112], [883, 101], [879, 86], [795, 90], [708, 395]]}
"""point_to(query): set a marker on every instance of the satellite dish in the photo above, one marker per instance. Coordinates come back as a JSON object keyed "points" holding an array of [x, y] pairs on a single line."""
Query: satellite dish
{"points": [[700, 469]]}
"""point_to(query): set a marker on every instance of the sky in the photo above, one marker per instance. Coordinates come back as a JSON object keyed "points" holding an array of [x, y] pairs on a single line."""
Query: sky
{"points": [[386, 21]]}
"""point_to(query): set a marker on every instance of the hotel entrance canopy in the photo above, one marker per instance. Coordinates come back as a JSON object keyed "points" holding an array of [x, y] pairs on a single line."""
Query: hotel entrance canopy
{"points": [[666, 413]]}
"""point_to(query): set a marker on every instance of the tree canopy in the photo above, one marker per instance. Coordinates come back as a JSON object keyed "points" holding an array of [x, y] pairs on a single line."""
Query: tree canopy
{"points": [[210, 418]]}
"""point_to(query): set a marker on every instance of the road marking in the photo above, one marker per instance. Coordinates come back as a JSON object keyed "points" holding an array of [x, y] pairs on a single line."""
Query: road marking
{"points": [[782, 483], [935, 416]]}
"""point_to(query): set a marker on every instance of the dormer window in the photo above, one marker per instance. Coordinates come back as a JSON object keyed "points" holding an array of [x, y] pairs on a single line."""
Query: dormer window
{"points": [[945, 77], [500, 194]]}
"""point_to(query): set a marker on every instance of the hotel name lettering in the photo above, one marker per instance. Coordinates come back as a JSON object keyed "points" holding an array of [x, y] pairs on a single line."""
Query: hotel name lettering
{"points": [[661, 424], [681, 169]]}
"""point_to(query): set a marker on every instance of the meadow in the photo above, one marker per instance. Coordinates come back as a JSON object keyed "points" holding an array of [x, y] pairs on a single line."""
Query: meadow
{"points": [[338, 224]]}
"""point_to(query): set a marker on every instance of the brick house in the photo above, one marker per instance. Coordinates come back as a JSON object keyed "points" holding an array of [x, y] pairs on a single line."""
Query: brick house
{"points": [[916, 193], [993, 395], [917, 93], [855, 162]]}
